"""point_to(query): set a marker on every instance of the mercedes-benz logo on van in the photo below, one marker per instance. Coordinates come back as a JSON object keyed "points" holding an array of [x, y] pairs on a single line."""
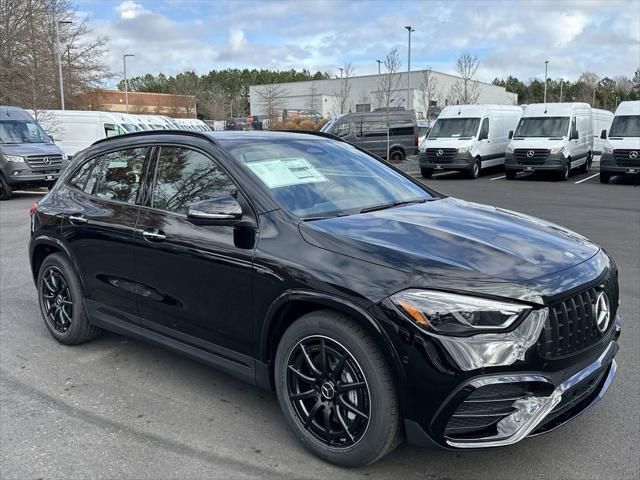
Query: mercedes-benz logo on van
{"points": [[602, 313], [439, 153], [46, 160], [633, 154], [530, 153]]}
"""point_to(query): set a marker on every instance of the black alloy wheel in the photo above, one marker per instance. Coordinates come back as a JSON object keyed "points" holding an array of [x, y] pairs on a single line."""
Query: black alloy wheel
{"points": [[57, 300], [328, 391]]}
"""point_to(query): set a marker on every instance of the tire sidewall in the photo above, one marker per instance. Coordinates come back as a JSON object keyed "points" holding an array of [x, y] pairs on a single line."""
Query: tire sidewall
{"points": [[367, 449]]}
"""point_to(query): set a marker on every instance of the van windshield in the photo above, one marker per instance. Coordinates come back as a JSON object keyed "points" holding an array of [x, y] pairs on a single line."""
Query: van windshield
{"points": [[542, 127], [454, 127], [625, 126], [21, 131], [129, 127]]}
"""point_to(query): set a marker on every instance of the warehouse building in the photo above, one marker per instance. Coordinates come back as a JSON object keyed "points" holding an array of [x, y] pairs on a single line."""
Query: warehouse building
{"points": [[324, 97]]}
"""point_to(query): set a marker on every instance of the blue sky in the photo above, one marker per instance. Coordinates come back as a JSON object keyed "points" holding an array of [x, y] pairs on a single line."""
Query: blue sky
{"points": [[509, 37]]}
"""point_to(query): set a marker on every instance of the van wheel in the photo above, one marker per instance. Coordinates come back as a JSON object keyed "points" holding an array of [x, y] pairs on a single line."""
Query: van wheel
{"points": [[426, 172], [5, 189], [605, 177], [510, 174], [336, 390], [397, 155], [565, 172], [584, 168], [474, 171]]}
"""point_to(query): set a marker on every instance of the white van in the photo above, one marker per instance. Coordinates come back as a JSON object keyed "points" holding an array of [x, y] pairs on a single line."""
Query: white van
{"points": [[621, 152], [128, 122], [156, 122], [554, 137], [601, 121], [75, 130], [468, 138]]}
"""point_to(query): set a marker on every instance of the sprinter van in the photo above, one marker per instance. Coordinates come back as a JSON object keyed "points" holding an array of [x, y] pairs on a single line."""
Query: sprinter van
{"points": [[468, 138], [28, 157], [75, 130], [601, 122], [552, 137], [621, 152], [369, 131]]}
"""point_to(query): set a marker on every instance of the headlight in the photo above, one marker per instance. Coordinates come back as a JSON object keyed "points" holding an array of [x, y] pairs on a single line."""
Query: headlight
{"points": [[557, 149], [14, 158], [453, 314], [607, 149], [509, 148], [465, 149], [65, 156]]}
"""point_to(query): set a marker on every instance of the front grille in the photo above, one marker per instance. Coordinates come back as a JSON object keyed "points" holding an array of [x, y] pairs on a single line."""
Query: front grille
{"points": [[441, 155], [623, 159], [530, 156], [37, 162], [571, 326]]}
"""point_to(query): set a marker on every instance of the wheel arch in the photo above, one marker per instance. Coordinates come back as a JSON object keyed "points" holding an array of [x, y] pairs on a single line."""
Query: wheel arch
{"points": [[42, 247], [293, 304]]}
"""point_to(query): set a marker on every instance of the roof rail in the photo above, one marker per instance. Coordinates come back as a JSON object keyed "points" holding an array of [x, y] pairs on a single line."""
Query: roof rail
{"points": [[146, 133], [313, 132]]}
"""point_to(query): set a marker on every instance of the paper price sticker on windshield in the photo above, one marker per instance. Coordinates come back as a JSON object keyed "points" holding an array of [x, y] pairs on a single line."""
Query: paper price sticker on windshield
{"points": [[285, 172]]}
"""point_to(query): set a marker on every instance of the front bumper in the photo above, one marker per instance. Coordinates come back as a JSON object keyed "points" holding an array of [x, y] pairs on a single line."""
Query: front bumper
{"points": [[608, 164], [462, 161], [554, 162], [19, 174]]}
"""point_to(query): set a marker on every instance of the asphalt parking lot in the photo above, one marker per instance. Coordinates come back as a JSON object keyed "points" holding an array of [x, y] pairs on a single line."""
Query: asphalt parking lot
{"points": [[119, 408]]}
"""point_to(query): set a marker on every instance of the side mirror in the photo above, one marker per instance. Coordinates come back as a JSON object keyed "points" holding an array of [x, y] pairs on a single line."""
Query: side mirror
{"points": [[510, 134], [215, 211], [603, 134], [574, 135], [53, 140]]}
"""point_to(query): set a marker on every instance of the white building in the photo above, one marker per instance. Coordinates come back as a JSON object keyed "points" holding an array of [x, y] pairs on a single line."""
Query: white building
{"points": [[323, 95]]}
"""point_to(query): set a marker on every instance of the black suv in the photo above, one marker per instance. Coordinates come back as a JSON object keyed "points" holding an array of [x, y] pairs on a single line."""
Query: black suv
{"points": [[377, 308]]}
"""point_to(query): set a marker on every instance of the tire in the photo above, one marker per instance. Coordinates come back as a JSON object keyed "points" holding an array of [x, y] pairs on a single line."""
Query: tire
{"points": [[605, 177], [475, 169], [357, 441], [563, 175], [68, 323], [397, 155], [426, 172], [510, 174], [584, 168], [5, 189]]}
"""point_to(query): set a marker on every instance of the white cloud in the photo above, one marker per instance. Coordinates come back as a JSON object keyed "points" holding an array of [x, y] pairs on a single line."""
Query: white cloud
{"points": [[237, 41], [129, 10]]}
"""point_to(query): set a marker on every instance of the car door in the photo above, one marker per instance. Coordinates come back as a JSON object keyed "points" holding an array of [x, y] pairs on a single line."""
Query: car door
{"points": [[198, 277], [98, 226]]}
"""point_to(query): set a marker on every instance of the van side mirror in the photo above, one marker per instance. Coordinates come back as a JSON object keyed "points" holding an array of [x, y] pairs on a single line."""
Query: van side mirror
{"points": [[574, 135], [603, 134], [215, 211], [510, 134]]}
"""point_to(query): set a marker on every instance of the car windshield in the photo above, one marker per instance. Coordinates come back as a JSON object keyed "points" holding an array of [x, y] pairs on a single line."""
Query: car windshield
{"points": [[323, 178], [22, 131], [454, 127], [625, 126], [542, 127]]}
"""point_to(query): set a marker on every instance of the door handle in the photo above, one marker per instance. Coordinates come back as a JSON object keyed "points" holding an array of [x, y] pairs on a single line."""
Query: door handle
{"points": [[153, 235], [77, 219]]}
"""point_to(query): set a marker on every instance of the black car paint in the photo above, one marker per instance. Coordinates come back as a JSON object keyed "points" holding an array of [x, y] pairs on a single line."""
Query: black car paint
{"points": [[282, 267]]}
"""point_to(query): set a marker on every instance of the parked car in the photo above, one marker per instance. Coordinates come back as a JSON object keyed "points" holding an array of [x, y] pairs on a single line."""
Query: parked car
{"points": [[423, 131], [602, 120], [469, 138], [552, 137], [621, 152], [28, 157], [373, 305], [75, 130], [369, 131]]}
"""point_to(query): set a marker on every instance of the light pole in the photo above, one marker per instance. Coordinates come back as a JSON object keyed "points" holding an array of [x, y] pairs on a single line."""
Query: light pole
{"points": [[546, 65], [341, 69], [593, 102], [58, 23], [379, 62], [409, 29], [126, 87], [560, 90]]}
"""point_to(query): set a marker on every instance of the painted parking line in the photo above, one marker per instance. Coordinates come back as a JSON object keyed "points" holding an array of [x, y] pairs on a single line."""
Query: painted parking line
{"points": [[31, 192], [588, 178], [444, 173], [498, 178]]}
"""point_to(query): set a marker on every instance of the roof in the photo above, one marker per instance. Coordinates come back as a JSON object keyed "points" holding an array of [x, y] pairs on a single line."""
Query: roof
{"points": [[454, 111], [13, 113], [551, 109], [628, 108]]}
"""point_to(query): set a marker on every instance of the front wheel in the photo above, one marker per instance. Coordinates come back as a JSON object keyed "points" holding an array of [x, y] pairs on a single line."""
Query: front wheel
{"points": [[426, 172], [474, 171], [5, 189], [510, 174], [605, 177], [336, 390], [565, 172]]}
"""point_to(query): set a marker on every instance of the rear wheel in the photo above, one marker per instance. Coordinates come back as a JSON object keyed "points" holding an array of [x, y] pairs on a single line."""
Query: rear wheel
{"points": [[336, 390], [426, 172], [605, 177], [61, 302], [584, 168], [397, 155], [5, 189]]}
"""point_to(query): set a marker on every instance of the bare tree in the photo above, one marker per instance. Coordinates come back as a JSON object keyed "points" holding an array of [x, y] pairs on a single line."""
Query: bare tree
{"points": [[388, 95], [429, 90], [623, 88], [465, 89], [343, 94], [272, 100], [587, 83]]}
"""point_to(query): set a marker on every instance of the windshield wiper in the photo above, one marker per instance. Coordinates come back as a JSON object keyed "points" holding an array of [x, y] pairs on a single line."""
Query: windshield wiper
{"points": [[384, 206], [311, 218]]}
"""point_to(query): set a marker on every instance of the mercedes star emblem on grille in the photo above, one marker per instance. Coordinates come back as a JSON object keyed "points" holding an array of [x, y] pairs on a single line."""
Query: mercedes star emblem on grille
{"points": [[530, 153], [439, 153], [602, 312], [633, 154], [46, 160]]}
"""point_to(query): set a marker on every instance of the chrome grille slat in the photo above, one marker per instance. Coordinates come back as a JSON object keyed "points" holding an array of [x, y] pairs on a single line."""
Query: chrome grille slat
{"points": [[621, 156], [539, 156], [447, 156], [38, 161]]}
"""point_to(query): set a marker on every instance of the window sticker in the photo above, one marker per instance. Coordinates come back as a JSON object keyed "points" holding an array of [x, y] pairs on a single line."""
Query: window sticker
{"points": [[117, 164], [285, 172]]}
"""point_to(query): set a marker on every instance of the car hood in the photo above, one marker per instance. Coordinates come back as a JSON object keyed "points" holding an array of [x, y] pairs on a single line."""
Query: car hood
{"points": [[624, 143], [537, 142], [25, 149], [450, 237], [449, 142]]}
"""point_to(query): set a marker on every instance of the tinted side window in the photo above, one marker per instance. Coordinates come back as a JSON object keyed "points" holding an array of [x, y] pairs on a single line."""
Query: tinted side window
{"points": [[184, 177], [116, 175], [402, 128], [484, 129], [342, 130], [374, 129], [82, 175]]}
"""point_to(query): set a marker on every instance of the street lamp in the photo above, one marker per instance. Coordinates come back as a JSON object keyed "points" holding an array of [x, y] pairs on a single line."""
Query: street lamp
{"points": [[546, 65], [379, 62], [126, 87], [341, 69], [409, 29], [58, 23], [560, 90]]}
